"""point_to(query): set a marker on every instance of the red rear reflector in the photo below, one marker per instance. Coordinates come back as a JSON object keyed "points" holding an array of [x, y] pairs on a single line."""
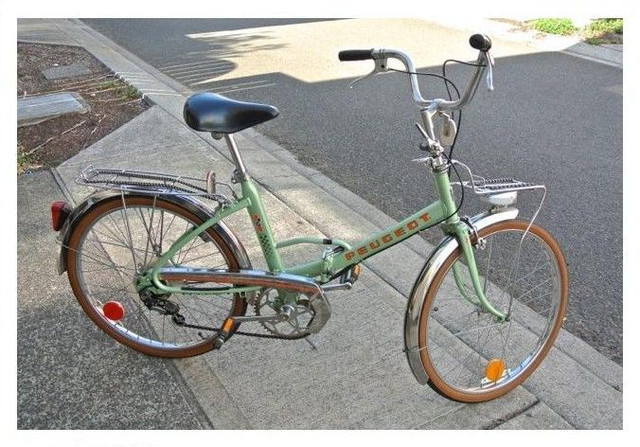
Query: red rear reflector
{"points": [[113, 310], [59, 213]]}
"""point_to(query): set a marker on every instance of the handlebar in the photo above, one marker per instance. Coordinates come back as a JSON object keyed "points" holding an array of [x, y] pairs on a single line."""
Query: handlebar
{"points": [[480, 42], [355, 55]]}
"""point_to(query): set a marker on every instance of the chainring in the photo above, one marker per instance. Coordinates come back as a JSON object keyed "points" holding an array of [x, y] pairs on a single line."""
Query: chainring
{"points": [[296, 326]]}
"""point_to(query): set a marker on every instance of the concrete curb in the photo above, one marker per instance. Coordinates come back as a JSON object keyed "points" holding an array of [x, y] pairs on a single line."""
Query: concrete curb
{"points": [[552, 404]]}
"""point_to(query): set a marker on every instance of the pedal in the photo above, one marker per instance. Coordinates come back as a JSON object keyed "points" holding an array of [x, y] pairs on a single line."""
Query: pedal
{"points": [[351, 276], [355, 273], [227, 326], [346, 280]]}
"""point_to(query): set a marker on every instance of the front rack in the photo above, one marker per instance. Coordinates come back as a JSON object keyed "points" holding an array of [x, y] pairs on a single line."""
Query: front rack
{"points": [[152, 183], [482, 186], [498, 192]]}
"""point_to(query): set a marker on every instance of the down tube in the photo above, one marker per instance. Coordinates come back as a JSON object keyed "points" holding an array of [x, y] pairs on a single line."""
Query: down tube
{"points": [[389, 237]]}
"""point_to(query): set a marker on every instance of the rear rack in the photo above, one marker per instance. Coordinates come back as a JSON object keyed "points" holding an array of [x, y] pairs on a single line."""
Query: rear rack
{"points": [[152, 183]]}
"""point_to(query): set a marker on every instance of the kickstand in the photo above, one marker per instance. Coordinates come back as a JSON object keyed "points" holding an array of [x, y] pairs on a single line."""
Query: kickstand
{"points": [[311, 343]]}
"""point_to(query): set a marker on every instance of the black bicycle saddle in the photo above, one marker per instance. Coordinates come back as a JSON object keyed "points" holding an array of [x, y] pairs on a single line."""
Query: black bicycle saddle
{"points": [[209, 112]]}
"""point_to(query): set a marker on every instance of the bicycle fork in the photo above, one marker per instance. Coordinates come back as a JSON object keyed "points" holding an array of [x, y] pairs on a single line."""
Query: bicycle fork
{"points": [[480, 298], [459, 229]]}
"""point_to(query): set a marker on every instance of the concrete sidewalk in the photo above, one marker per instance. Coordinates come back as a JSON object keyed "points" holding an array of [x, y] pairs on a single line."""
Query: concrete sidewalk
{"points": [[358, 378]]}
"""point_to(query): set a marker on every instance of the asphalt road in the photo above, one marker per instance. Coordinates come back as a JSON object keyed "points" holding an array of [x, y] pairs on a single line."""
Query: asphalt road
{"points": [[553, 118]]}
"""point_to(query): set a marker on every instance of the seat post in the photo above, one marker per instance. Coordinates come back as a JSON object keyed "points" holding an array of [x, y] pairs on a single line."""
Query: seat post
{"points": [[237, 158]]}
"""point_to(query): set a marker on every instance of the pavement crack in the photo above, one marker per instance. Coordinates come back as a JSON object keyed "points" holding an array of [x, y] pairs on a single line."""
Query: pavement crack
{"points": [[496, 423]]}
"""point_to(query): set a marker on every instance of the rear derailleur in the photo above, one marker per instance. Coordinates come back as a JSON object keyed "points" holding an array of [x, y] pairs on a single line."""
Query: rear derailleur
{"points": [[162, 305]]}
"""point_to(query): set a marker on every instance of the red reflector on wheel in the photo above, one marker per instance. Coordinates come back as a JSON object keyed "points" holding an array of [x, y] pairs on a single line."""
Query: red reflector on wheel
{"points": [[113, 310], [59, 213]]}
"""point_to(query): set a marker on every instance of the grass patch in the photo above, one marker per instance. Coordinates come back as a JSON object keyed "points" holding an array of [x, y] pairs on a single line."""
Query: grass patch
{"points": [[26, 161], [123, 90], [611, 26], [130, 92], [598, 32], [604, 31], [105, 85], [563, 27]]}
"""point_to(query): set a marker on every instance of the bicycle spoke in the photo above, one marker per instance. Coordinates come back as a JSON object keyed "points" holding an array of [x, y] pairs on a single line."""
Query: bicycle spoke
{"points": [[126, 242], [199, 258], [111, 236], [110, 263], [533, 289], [184, 251], [128, 227], [147, 230]]}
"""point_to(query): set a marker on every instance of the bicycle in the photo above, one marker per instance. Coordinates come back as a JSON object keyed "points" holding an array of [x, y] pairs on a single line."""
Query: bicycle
{"points": [[160, 272]]}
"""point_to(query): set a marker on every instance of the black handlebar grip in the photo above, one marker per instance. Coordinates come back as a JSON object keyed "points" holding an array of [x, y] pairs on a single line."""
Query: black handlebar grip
{"points": [[480, 42], [355, 55]]}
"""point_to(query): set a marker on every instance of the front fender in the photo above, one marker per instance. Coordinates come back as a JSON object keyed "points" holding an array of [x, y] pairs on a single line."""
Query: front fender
{"points": [[187, 202], [419, 292]]}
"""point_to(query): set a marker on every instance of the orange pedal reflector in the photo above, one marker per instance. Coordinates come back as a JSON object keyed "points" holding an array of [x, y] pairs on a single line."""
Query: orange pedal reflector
{"points": [[228, 325], [495, 369], [113, 310]]}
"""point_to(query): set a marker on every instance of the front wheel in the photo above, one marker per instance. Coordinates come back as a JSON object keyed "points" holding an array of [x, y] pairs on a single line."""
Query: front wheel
{"points": [[470, 355]]}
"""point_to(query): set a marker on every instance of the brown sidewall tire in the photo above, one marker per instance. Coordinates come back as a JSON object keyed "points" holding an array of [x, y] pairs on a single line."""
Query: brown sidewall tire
{"points": [[239, 304], [440, 385]]}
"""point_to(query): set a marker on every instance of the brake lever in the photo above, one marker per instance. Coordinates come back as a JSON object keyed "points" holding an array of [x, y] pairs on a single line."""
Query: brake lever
{"points": [[490, 63], [380, 67]]}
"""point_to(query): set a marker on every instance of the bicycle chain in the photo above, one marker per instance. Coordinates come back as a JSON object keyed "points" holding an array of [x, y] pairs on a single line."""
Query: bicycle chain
{"points": [[169, 308], [247, 334]]}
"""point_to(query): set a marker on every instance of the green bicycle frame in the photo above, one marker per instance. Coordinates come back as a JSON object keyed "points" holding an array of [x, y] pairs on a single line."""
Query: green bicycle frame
{"points": [[343, 256]]}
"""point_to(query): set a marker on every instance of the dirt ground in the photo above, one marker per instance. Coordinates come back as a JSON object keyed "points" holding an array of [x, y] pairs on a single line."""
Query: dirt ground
{"points": [[111, 104]]}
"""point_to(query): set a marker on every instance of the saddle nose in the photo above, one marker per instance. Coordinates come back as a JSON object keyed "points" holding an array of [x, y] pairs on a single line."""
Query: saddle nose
{"points": [[210, 112]]}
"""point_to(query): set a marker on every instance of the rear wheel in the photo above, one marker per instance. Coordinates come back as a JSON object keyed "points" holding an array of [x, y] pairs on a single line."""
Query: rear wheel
{"points": [[117, 240], [468, 354]]}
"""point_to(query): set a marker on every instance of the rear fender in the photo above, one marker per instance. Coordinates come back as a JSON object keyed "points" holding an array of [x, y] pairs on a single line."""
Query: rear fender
{"points": [[196, 207]]}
